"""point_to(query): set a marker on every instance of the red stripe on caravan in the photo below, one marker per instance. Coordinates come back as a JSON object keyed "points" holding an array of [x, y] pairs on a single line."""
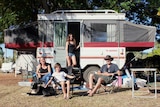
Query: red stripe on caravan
{"points": [[95, 57], [100, 44], [121, 44], [29, 45], [137, 44]]}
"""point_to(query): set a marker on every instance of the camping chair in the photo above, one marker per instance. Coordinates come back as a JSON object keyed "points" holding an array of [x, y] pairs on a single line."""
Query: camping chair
{"points": [[117, 83], [57, 86], [114, 83], [76, 71]]}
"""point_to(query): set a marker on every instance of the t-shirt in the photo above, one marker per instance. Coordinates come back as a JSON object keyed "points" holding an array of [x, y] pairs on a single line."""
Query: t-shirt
{"points": [[59, 76], [112, 69]]}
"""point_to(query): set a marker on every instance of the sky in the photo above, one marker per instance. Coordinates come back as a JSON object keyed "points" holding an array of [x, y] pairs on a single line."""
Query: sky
{"points": [[7, 52]]}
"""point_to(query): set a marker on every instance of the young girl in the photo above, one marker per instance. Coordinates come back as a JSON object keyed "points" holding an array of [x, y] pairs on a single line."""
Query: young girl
{"points": [[70, 50], [59, 76]]}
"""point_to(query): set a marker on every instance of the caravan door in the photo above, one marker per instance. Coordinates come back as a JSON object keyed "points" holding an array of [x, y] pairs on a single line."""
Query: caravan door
{"points": [[60, 33]]}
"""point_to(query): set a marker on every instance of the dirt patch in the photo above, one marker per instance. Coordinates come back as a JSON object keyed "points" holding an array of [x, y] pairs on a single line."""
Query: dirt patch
{"points": [[9, 79]]}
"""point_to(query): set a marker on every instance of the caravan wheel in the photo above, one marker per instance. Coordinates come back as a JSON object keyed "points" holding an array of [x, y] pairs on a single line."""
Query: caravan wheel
{"points": [[88, 71]]}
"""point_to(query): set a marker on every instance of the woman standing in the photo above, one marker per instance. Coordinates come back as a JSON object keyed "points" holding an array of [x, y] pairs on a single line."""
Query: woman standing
{"points": [[70, 50]]}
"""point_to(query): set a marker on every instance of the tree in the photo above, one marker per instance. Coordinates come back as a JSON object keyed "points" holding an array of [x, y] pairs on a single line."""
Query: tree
{"points": [[15, 13], [21, 12], [137, 11], [117, 5]]}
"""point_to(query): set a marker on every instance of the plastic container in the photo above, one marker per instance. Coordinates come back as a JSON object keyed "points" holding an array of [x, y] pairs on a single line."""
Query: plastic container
{"points": [[119, 81]]}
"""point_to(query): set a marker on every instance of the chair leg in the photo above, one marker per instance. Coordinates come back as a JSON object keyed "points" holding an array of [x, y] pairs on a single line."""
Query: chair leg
{"points": [[108, 89], [72, 89]]}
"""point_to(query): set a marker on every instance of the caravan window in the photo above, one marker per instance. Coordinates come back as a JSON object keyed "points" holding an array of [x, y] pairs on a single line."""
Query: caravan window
{"points": [[99, 32]]}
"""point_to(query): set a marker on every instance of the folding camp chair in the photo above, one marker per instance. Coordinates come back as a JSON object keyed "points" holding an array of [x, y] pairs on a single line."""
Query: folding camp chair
{"points": [[76, 71], [114, 83], [57, 86]]}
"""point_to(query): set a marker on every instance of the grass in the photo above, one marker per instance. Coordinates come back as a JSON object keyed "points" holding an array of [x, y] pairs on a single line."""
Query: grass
{"points": [[12, 95]]}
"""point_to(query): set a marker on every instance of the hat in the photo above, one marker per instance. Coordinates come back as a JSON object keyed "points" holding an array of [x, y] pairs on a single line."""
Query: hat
{"points": [[108, 57]]}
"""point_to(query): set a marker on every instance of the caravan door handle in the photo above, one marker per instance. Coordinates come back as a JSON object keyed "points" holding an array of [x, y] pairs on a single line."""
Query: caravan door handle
{"points": [[54, 52]]}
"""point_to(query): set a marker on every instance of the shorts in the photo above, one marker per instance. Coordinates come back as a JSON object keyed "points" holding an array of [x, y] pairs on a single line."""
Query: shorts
{"points": [[106, 79], [71, 54]]}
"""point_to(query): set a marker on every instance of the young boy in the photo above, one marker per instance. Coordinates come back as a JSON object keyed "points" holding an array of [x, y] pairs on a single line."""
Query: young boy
{"points": [[60, 77]]}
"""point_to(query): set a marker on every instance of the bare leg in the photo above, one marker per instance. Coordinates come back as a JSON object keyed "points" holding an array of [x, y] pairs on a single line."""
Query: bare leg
{"points": [[68, 88], [96, 87], [74, 61], [91, 76], [68, 61], [63, 89]]}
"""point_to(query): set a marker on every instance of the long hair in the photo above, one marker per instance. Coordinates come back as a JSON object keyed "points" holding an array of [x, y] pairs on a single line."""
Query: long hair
{"points": [[73, 38]]}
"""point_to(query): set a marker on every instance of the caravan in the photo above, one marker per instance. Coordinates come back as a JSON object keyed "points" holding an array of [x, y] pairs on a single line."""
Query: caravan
{"points": [[99, 33]]}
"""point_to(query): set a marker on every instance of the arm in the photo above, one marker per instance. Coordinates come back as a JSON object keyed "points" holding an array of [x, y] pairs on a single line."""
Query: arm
{"points": [[66, 48], [37, 71], [69, 76], [78, 46], [119, 73], [105, 73], [48, 82], [49, 68]]}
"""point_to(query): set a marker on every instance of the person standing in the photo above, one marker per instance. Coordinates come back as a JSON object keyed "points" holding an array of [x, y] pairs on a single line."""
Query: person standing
{"points": [[70, 50]]}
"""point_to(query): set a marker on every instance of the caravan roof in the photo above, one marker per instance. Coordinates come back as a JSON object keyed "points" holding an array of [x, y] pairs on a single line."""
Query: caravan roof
{"points": [[124, 33], [82, 14]]}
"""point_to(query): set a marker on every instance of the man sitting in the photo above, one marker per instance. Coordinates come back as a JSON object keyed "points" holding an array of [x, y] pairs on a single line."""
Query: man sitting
{"points": [[103, 75]]}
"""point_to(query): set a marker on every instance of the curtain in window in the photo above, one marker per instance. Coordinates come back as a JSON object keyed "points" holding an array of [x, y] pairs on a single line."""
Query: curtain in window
{"points": [[111, 32], [60, 34]]}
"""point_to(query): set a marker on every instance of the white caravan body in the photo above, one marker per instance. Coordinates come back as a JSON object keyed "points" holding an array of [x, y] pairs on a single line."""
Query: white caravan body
{"points": [[99, 33]]}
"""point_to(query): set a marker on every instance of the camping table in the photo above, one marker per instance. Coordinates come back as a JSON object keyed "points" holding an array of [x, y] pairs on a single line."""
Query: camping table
{"points": [[155, 82]]}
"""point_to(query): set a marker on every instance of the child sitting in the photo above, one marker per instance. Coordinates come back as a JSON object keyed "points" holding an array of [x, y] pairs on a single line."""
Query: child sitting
{"points": [[60, 77]]}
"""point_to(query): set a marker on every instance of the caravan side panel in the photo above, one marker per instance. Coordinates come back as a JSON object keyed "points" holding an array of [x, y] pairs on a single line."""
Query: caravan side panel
{"points": [[95, 55]]}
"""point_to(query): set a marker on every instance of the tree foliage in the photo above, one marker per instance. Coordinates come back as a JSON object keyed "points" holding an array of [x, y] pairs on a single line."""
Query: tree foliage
{"points": [[21, 12], [155, 51]]}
